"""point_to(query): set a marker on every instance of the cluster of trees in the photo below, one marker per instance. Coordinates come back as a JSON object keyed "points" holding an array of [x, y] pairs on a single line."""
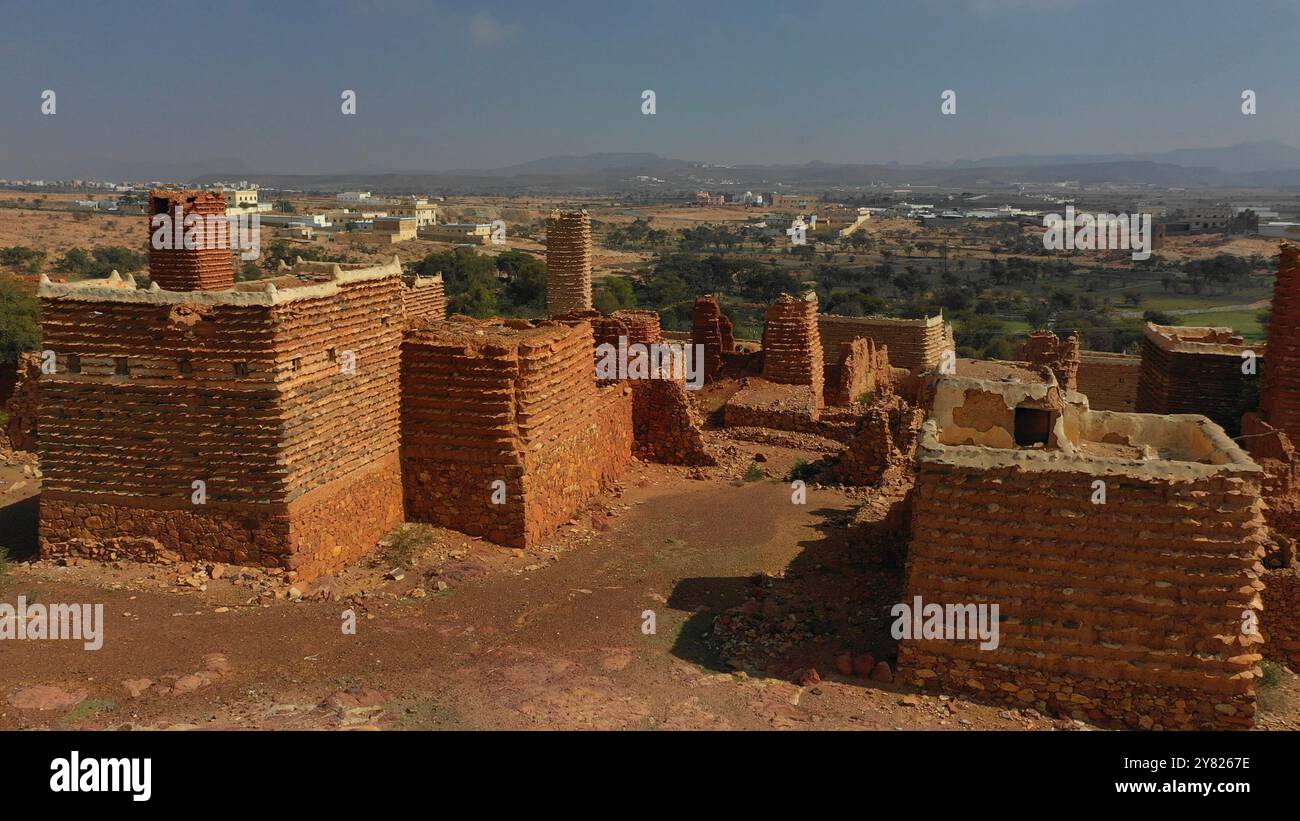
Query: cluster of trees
{"points": [[101, 261], [22, 258], [19, 330], [511, 284]]}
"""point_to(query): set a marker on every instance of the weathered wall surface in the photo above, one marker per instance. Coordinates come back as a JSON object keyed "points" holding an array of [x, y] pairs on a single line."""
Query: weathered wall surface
{"points": [[568, 262], [1129, 612], [267, 397], [792, 349], [883, 444], [915, 344], [862, 369], [711, 329], [24, 403], [1279, 399], [208, 267], [1193, 377], [1281, 618], [487, 402], [424, 297], [1046, 349], [1109, 380]]}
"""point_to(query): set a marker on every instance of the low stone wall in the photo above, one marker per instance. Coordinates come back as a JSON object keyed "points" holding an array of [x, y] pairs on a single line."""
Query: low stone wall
{"points": [[883, 445], [1281, 619], [24, 403]]}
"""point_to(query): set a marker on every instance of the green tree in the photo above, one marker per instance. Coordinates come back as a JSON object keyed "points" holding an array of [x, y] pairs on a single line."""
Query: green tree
{"points": [[19, 330]]}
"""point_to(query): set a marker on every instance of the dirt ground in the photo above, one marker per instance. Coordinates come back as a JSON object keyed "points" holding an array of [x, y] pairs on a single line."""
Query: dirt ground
{"points": [[459, 633]]}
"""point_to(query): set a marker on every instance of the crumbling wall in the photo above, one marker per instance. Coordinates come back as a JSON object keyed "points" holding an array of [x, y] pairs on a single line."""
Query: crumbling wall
{"points": [[282, 401], [792, 350], [862, 369], [1129, 612], [1046, 349], [489, 402], [711, 329], [1109, 380], [24, 403], [424, 297], [1280, 621], [883, 446], [1193, 370], [915, 344], [1279, 398], [568, 262]]}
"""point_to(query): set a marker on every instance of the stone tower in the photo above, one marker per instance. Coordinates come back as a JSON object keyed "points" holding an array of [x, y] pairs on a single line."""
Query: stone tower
{"points": [[1279, 399], [568, 262], [210, 265]]}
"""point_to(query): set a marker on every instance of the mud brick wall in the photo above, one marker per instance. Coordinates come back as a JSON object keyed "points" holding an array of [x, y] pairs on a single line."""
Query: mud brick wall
{"points": [[1274, 452], [486, 401], [1049, 350], [424, 297], [666, 427], [1192, 378], [792, 348], [883, 444], [1126, 613], [863, 368], [208, 267], [712, 329], [1109, 380], [1281, 619], [1279, 399], [915, 344], [568, 262], [244, 390], [24, 403]]}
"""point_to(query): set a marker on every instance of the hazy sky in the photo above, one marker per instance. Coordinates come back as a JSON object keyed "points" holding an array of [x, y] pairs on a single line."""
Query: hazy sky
{"points": [[443, 86]]}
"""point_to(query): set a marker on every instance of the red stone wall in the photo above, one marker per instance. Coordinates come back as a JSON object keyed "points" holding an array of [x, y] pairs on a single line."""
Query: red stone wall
{"points": [[915, 344], [884, 444], [792, 350], [488, 401], [24, 403], [712, 329], [863, 368], [251, 399], [1281, 618], [1176, 381], [1125, 613], [1279, 400], [1047, 349], [210, 267], [424, 297], [568, 262]]}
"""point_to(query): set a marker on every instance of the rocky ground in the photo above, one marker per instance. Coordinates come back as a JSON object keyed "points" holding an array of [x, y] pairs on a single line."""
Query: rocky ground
{"points": [[765, 614]]}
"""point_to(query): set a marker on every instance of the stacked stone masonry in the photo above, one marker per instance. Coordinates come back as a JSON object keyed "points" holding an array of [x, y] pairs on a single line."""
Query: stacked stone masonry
{"points": [[792, 349], [1046, 349], [711, 329], [915, 344], [280, 396], [424, 297], [24, 404], [208, 266], [568, 262], [1279, 399], [513, 403], [862, 371], [1109, 380], [1127, 613], [1195, 370]]}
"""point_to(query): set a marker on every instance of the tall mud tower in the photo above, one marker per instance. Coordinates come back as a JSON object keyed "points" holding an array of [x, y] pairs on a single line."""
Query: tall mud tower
{"points": [[1279, 399], [210, 266], [568, 262]]}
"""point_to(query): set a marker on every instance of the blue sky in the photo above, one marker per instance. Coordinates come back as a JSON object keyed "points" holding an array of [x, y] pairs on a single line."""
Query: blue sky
{"points": [[444, 86]]}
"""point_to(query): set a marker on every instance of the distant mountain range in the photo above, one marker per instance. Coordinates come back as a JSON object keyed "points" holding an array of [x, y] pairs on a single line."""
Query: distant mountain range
{"points": [[1245, 165]]}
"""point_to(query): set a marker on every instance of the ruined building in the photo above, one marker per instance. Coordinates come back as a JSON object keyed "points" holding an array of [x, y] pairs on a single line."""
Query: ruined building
{"points": [[568, 262], [424, 297], [711, 329], [792, 351], [254, 423], [914, 344], [1279, 397], [207, 268], [1109, 380], [1195, 370], [505, 433], [1061, 356], [1122, 550]]}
